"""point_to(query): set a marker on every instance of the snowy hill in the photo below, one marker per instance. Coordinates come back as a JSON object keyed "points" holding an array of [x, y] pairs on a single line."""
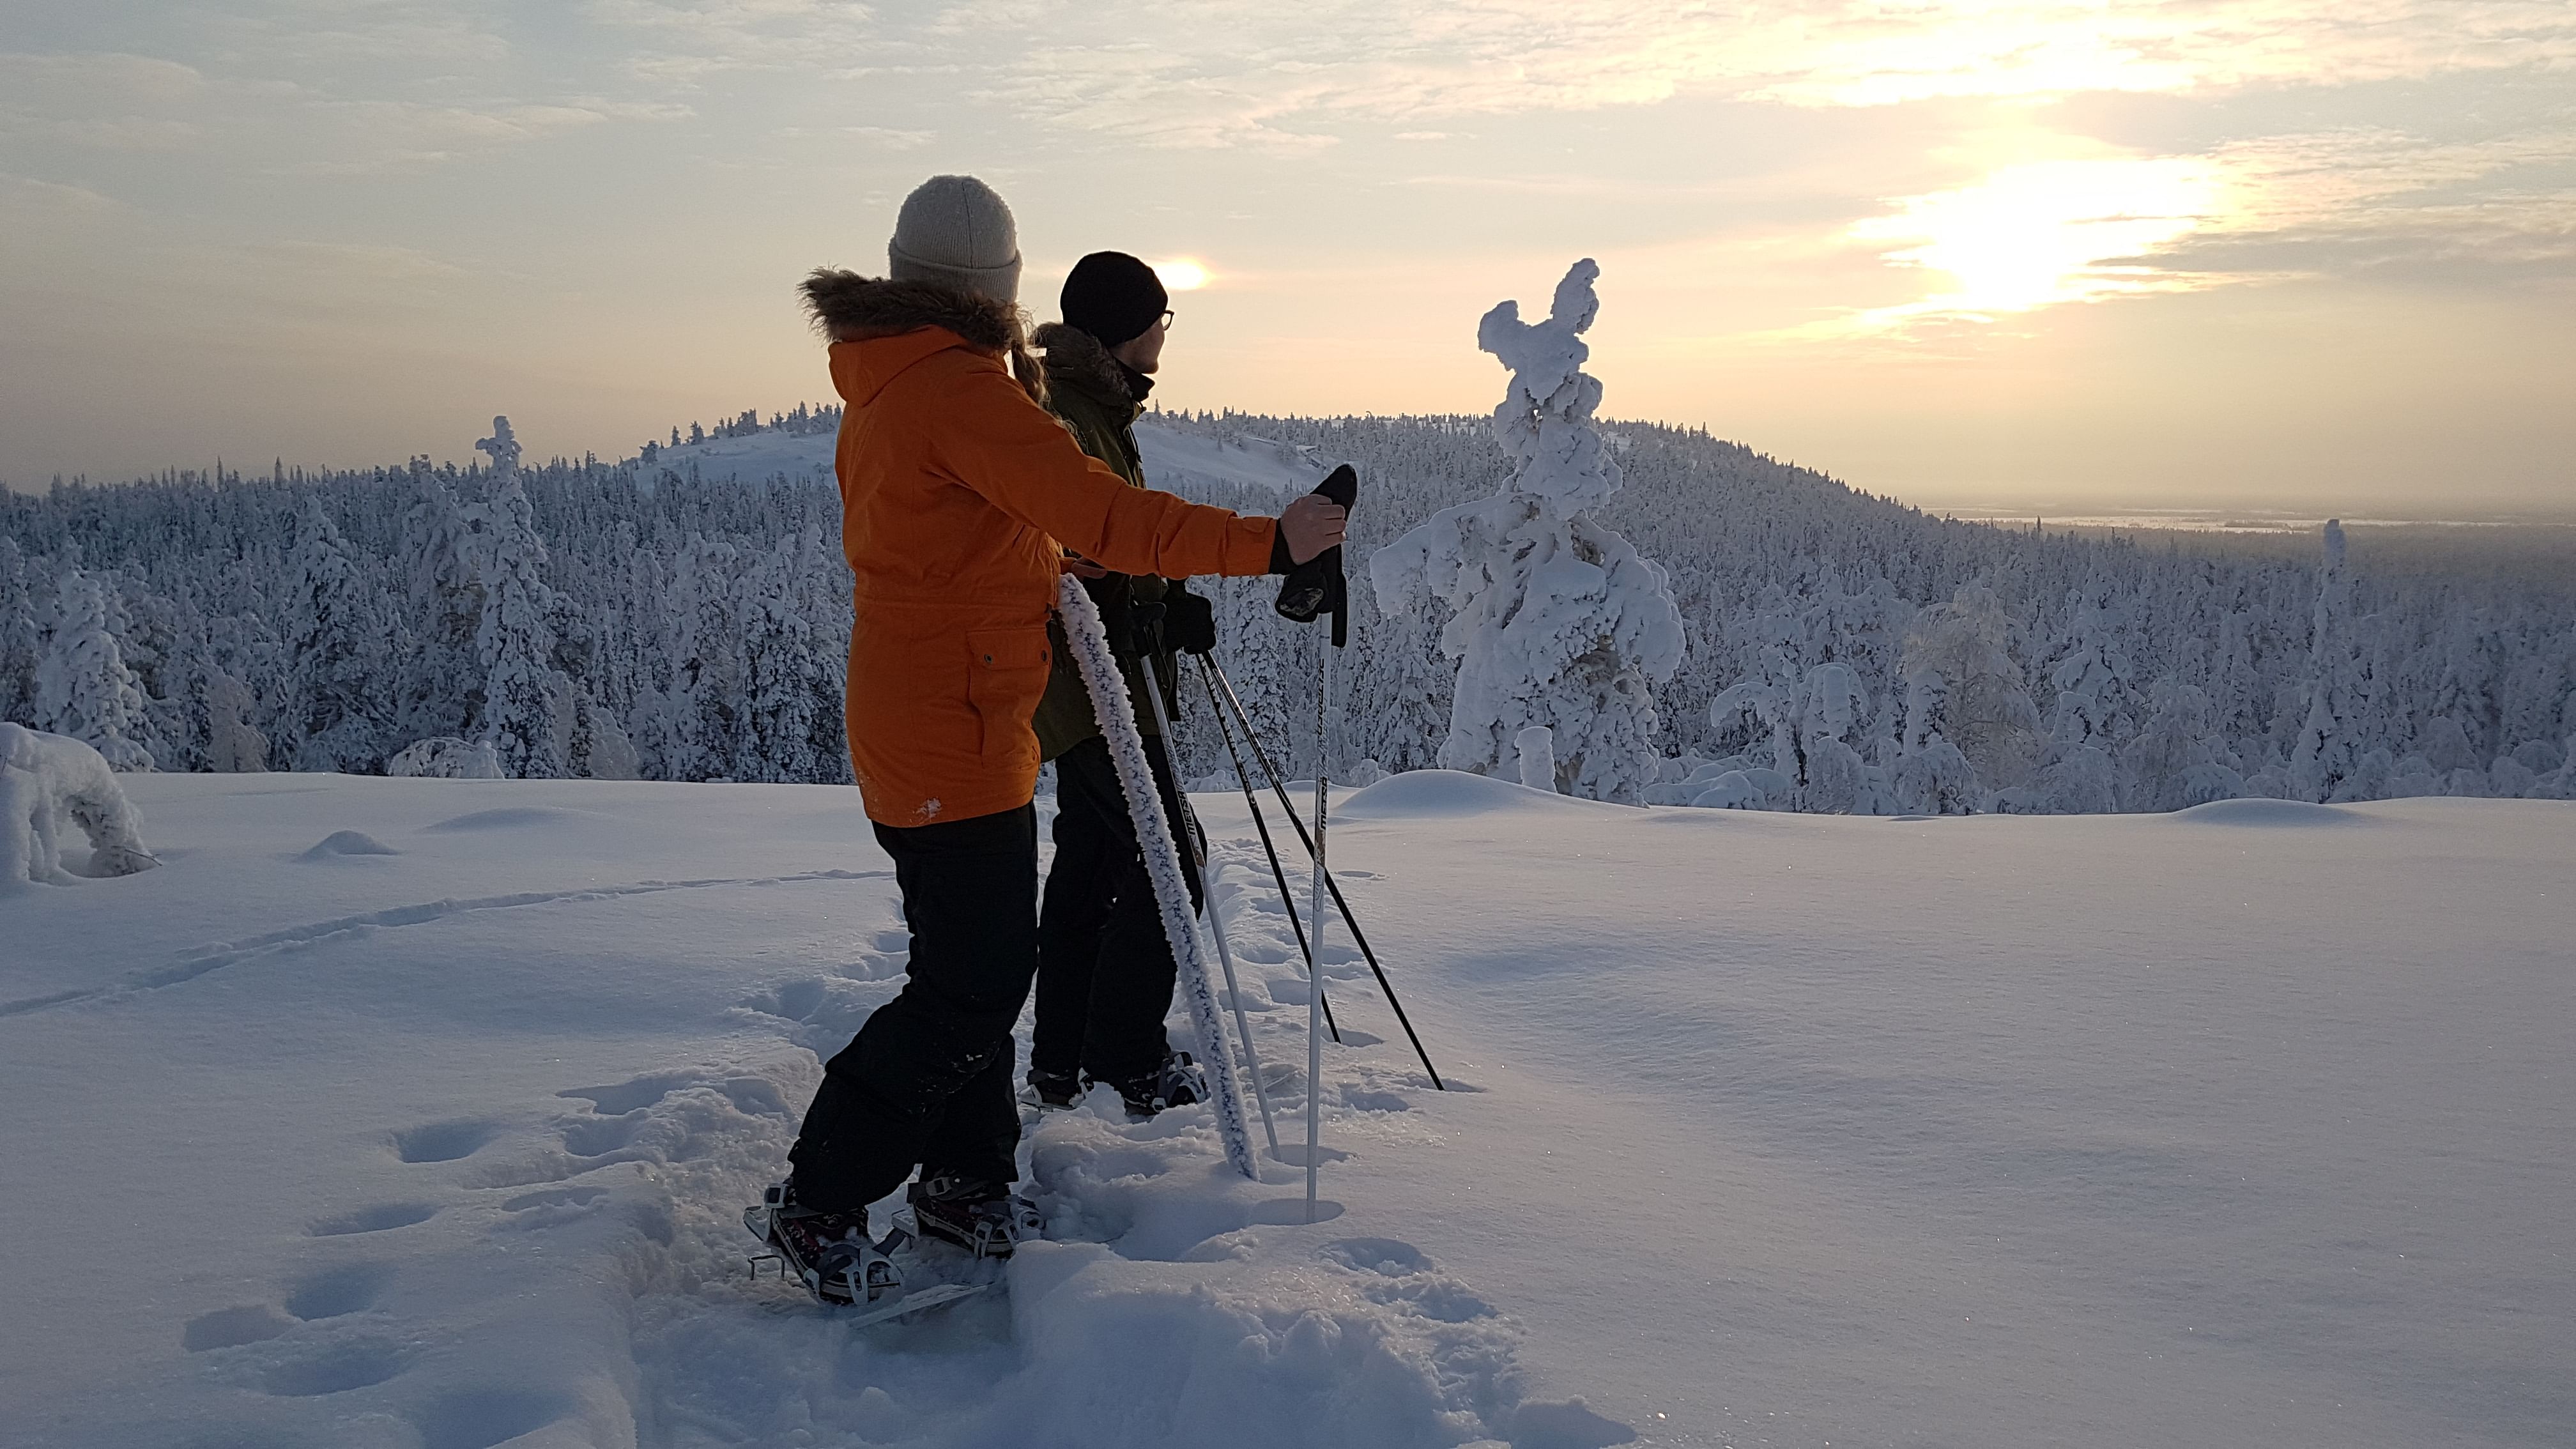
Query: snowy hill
{"points": [[1186, 463], [418, 1113]]}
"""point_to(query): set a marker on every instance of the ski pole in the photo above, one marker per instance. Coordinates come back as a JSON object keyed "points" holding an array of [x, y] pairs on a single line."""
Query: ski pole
{"points": [[1315, 943], [1207, 892], [1278, 873], [1277, 785]]}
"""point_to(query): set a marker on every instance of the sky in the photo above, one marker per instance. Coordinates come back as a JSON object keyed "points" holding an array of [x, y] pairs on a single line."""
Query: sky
{"points": [[2171, 253]]}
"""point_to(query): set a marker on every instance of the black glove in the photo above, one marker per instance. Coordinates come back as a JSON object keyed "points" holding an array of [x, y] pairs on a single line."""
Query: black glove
{"points": [[1116, 598], [1316, 586], [1189, 622]]}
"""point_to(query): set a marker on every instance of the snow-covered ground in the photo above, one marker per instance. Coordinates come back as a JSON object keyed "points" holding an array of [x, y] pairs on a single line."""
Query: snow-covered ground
{"points": [[419, 1113], [1174, 461]]}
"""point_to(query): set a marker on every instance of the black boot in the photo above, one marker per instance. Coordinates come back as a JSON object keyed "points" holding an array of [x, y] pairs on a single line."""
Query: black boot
{"points": [[1176, 1083], [1054, 1089]]}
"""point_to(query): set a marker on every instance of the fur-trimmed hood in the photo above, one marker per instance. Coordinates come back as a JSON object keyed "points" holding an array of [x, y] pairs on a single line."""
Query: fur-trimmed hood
{"points": [[1075, 358], [846, 306]]}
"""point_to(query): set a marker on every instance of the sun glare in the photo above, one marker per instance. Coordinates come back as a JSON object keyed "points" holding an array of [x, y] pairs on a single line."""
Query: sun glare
{"points": [[1182, 274], [2049, 231]]}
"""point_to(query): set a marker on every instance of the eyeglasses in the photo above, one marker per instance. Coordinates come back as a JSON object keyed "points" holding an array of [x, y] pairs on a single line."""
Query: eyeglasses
{"points": [[1167, 319]]}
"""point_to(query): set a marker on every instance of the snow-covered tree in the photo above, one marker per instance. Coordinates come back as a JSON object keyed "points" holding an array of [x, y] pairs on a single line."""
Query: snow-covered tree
{"points": [[1559, 621], [83, 688], [338, 716], [2328, 753], [21, 640], [1973, 698], [527, 712], [790, 713]]}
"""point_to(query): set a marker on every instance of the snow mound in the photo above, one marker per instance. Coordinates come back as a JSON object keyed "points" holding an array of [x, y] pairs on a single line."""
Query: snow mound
{"points": [[1431, 794], [347, 842], [2269, 813], [514, 817], [50, 781]]}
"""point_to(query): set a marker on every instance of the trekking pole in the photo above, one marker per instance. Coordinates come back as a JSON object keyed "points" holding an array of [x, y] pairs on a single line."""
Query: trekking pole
{"points": [[1315, 943], [1207, 892], [1261, 824], [1277, 785], [1315, 587]]}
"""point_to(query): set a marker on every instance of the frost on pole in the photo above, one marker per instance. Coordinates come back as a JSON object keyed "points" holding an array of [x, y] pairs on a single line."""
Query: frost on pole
{"points": [[1557, 621]]}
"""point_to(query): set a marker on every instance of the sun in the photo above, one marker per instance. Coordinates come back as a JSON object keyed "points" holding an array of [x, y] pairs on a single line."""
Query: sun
{"points": [[2049, 232], [1182, 274]]}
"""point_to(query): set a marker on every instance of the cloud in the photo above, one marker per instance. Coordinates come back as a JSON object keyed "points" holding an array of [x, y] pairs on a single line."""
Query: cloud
{"points": [[699, 39], [2337, 202], [1247, 73]]}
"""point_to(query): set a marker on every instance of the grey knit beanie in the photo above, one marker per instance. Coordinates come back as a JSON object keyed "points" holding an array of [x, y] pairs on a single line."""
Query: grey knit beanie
{"points": [[955, 230]]}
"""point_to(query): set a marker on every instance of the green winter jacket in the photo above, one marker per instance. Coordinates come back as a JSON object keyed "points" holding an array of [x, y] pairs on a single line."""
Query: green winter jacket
{"points": [[1098, 402]]}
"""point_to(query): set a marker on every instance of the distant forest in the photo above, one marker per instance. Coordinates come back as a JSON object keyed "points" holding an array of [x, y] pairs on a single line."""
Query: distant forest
{"points": [[1845, 653]]}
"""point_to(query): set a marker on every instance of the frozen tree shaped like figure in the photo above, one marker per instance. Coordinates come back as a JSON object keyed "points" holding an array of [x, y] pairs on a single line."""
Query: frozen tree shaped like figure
{"points": [[1558, 621]]}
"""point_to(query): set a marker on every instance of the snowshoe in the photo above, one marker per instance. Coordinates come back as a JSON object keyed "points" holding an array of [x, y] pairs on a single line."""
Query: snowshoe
{"points": [[1178, 1082], [1052, 1091], [987, 1219], [830, 1253]]}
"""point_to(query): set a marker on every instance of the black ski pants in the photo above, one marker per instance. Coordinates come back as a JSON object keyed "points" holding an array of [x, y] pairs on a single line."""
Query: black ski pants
{"points": [[927, 1081], [1105, 969]]}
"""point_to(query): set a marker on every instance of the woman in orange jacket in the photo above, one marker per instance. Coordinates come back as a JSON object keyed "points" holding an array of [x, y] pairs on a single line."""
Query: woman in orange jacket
{"points": [[960, 496]]}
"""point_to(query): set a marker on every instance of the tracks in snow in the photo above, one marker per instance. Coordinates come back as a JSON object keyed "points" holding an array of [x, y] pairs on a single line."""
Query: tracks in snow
{"points": [[218, 955]]}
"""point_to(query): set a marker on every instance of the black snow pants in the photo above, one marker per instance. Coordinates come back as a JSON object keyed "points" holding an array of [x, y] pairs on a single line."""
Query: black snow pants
{"points": [[1105, 969], [927, 1081]]}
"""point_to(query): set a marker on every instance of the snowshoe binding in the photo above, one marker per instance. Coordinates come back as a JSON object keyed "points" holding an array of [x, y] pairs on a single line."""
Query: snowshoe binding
{"points": [[830, 1253], [987, 1219], [1178, 1082]]}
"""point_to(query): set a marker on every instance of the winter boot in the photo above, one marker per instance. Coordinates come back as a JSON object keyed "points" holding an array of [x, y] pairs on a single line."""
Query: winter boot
{"points": [[1176, 1083], [1051, 1091], [987, 1219], [830, 1253]]}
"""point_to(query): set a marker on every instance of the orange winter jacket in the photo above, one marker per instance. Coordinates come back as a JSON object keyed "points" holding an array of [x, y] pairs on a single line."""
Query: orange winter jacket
{"points": [[958, 497]]}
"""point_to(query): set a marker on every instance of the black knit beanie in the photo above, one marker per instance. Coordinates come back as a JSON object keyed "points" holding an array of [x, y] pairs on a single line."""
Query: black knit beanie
{"points": [[1114, 297]]}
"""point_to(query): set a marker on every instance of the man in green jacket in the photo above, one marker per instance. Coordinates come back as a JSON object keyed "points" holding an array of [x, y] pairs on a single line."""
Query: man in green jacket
{"points": [[1105, 970]]}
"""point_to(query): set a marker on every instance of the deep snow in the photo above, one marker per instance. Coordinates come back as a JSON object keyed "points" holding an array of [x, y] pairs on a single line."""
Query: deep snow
{"points": [[2251, 1124]]}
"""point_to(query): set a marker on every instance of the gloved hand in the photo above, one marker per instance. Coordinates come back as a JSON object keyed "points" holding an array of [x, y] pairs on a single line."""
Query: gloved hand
{"points": [[1189, 622], [1316, 586], [1116, 601]]}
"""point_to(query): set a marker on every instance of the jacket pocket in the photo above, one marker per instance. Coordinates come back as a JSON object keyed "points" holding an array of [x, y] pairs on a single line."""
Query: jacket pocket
{"points": [[1006, 676]]}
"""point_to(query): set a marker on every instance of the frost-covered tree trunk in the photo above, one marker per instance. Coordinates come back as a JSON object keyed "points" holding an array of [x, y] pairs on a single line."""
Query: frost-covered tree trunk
{"points": [[1559, 621], [83, 688]]}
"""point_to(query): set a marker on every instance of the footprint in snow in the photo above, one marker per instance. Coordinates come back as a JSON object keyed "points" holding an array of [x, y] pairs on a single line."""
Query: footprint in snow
{"points": [[339, 1292], [479, 1418], [334, 1369], [384, 1217], [233, 1327], [444, 1141]]}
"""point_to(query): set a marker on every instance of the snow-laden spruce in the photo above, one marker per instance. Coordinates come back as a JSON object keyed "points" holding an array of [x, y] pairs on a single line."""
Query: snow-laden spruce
{"points": [[1558, 621], [50, 785], [83, 688]]}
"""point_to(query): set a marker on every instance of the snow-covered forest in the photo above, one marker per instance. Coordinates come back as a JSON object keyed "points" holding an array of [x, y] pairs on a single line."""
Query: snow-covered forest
{"points": [[1842, 653]]}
